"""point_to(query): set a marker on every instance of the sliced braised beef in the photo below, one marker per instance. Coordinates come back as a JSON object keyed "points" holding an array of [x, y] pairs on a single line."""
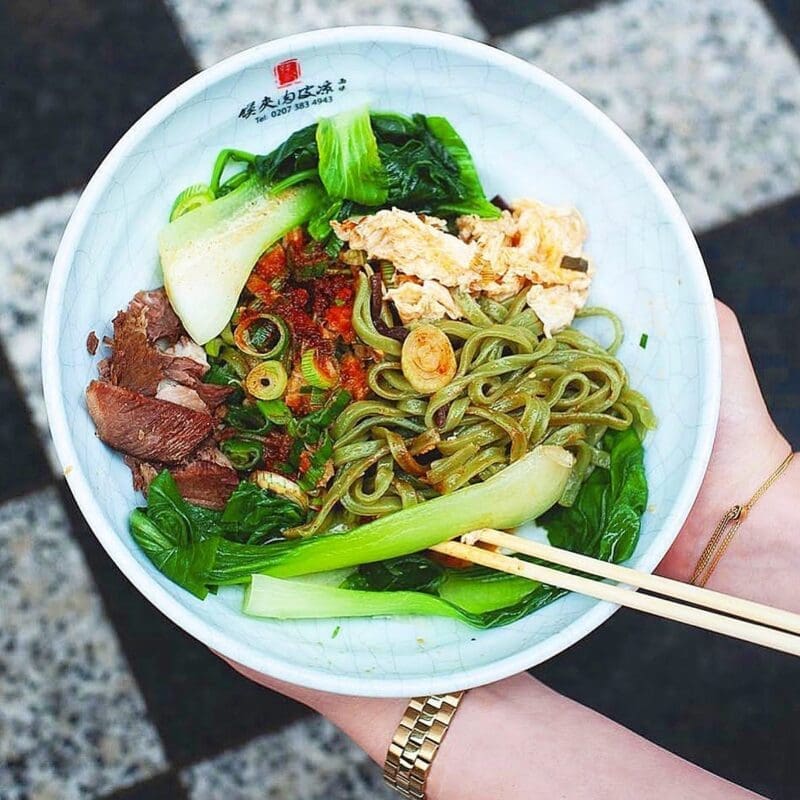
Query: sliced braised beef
{"points": [[205, 483], [174, 373], [207, 480], [91, 343], [161, 321], [212, 394], [141, 472], [151, 402], [136, 364], [144, 427]]}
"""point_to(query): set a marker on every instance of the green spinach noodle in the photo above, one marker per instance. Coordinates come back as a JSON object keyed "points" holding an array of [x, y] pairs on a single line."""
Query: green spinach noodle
{"points": [[514, 389]]}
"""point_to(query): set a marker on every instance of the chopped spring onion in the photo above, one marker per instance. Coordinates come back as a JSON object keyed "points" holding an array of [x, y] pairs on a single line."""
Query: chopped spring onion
{"points": [[226, 334], [244, 454], [387, 272], [213, 347], [235, 360], [264, 335], [315, 471], [317, 397], [247, 419], [643, 341], [275, 411], [281, 485], [310, 427], [353, 258], [266, 381], [318, 373], [427, 359], [189, 199]]}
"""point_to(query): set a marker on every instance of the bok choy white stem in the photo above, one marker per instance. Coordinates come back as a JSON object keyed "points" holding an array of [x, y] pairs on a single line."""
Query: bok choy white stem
{"points": [[208, 253]]}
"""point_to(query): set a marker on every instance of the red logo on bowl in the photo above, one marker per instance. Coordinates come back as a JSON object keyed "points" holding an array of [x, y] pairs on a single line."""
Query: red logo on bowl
{"points": [[287, 72]]}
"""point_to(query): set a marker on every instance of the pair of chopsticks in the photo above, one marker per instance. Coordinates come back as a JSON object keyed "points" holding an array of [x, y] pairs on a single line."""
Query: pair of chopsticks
{"points": [[740, 619]]}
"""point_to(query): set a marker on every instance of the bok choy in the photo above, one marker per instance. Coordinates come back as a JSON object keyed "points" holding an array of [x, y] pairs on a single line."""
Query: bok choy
{"points": [[208, 253], [482, 605], [175, 534], [520, 492]]}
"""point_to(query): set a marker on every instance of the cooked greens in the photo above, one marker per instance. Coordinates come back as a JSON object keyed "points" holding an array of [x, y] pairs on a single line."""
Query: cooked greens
{"points": [[605, 519], [182, 540], [349, 165]]}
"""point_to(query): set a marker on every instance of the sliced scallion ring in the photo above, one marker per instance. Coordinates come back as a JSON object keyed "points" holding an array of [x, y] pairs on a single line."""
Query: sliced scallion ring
{"points": [[266, 381], [244, 454], [189, 199], [275, 411], [262, 335], [320, 373]]}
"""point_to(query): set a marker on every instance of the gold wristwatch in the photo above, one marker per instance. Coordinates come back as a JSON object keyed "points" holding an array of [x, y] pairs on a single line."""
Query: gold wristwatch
{"points": [[416, 742]]}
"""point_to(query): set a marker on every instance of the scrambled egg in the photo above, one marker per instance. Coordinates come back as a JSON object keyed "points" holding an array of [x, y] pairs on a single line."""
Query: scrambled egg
{"points": [[428, 300], [523, 248], [416, 245]]}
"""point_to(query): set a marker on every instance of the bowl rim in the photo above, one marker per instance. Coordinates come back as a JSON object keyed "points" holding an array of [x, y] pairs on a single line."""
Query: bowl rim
{"points": [[193, 622]]}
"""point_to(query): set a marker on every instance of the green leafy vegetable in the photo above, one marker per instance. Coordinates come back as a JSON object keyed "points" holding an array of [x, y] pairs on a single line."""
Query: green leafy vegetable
{"points": [[520, 492], [167, 533], [253, 515], [479, 589], [299, 152], [413, 572], [221, 374], [605, 519], [349, 165], [474, 200], [297, 599], [183, 540], [208, 254], [224, 157], [420, 172]]}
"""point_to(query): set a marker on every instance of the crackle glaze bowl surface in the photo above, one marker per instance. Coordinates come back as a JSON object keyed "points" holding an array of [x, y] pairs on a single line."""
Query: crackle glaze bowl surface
{"points": [[529, 135]]}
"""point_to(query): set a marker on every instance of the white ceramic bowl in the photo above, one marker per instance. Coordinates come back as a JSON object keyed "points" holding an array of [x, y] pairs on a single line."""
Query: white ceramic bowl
{"points": [[530, 135]]}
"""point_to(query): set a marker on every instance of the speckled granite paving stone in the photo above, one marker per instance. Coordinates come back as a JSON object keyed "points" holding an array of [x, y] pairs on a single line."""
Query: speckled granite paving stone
{"points": [[76, 74], [215, 29], [709, 89], [310, 759], [511, 15], [72, 721], [22, 463], [29, 238]]}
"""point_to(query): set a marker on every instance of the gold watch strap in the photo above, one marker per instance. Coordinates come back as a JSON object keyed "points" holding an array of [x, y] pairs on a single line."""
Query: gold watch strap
{"points": [[416, 742]]}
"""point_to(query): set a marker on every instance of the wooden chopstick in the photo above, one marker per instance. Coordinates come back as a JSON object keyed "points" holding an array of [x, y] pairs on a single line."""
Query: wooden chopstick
{"points": [[749, 626]]}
